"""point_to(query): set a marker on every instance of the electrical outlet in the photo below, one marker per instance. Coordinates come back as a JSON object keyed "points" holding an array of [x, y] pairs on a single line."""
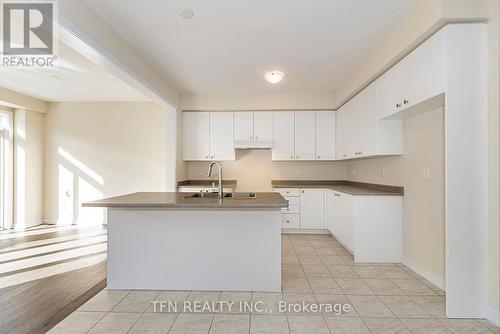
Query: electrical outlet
{"points": [[427, 173]]}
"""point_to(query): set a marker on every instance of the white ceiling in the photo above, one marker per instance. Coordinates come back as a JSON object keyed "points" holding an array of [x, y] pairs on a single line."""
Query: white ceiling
{"points": [[73, 78], [228, 45]]}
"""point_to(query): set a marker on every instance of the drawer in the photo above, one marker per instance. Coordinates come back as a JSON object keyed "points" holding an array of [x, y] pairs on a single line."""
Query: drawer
{"points": [[291, 209], [290, 221], [292, 200], [287, 192]]}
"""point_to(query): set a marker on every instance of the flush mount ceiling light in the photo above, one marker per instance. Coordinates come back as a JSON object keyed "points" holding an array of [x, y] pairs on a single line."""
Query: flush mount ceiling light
{"points": [[274, 76], [186, 13]]}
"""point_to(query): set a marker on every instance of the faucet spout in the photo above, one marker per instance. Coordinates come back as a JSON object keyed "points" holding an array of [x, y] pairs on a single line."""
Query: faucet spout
{"points": [[209, 173]]}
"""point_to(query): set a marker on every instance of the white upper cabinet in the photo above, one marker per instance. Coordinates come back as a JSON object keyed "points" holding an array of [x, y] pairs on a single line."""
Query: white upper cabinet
{"points": [[243, 129], [305, 139], [360, 133], [325, 135], [263, 128], [284, 133], [253, 129], [415, 79], [221, 136], [208, 136], [196, 135]]}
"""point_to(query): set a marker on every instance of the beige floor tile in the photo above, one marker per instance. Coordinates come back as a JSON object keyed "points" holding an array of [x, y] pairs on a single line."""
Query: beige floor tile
{"points": [[324, 286], [269, 324], [491, 326], [192, 323], [332, 260], [434, 305], [299, 243], [425, 326], [304, 250], [293, 270], [153, 323], [267, 302], [465, 326], [404, 307], [115, 323], [341, 271], [309, 259], [343, 251], [367, 272], [207, 298], [290, 259], [354, 286], [169, 302], [383, 287], [348, 260], [370, 306], [339, 325], [329, 251], [77, 322], [239, 302], [295, 301], [307, 324], [385, 326], [316, 270], [295, 285], [342, 306], [104, 301], [230, 324], [413, 287], [393, 272], [136, 301]]}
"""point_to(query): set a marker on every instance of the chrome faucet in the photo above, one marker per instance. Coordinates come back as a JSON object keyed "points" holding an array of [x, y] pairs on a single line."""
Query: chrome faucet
{"points": [[220, 176]]}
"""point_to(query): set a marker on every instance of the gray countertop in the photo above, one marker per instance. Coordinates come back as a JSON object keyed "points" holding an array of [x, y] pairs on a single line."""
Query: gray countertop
{"points": [[348, 187], [175, 200]]}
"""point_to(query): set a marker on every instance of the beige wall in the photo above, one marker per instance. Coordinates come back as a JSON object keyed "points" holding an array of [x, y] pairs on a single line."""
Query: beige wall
{"points": [[97, 150], [254, 170], [423, 215]]}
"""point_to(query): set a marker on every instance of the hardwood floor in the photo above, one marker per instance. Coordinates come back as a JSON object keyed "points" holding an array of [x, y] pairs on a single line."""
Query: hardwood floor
{"points": [[46, 273]]}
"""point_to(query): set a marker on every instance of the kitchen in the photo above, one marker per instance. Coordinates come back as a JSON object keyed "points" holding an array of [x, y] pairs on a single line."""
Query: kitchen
{"points": [[258, 175]]}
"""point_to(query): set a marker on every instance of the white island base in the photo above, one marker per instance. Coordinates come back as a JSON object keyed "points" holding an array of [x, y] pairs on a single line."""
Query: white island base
{"points": [[194, 249]]}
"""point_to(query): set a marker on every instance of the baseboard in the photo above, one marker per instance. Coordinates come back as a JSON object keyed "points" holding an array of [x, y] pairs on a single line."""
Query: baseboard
{"points": [[493, 316], [304, 231], [29, 225], [424, 272], [72, 222]]}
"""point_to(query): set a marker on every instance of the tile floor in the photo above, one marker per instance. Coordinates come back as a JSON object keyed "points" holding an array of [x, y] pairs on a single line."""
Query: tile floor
{"points": [[384, 298]]}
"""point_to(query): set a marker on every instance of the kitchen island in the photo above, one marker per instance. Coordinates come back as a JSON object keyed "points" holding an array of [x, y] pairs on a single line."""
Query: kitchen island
{"points": [[183, 241]]}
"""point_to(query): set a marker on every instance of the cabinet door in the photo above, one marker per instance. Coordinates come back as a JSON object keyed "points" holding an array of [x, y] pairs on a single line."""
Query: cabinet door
{"points": [[366, 122], [196, 135], [343, 220], [312, 209], [263, 128], [325, 135], [284, 127], [329, 211], [243, 129], [221, 136], [346, 130], [425, 71], [390, 91], [305, 138]]}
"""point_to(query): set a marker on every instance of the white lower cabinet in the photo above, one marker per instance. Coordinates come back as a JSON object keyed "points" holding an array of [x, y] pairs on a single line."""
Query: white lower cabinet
{"points": [[312, 209], [369, 226]]}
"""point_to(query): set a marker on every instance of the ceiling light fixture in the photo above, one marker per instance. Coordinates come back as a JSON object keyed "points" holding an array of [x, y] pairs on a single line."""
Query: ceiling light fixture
{"points": [[186, 13], [274, 76]]}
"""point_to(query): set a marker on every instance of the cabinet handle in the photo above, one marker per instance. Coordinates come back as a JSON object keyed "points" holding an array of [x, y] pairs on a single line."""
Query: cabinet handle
{"points": [[319, 157], [406, 101], [287, 221], [398, 105], [212, 157], [256, 137], [250, 137], [291, 157], [297, 156], [302, 191], [206, 156]]}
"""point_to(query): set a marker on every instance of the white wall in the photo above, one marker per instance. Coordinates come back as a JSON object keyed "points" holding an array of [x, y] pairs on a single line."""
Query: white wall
{"points": [[96, 150], [423, 217], [28, 168], [254, 170]]}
